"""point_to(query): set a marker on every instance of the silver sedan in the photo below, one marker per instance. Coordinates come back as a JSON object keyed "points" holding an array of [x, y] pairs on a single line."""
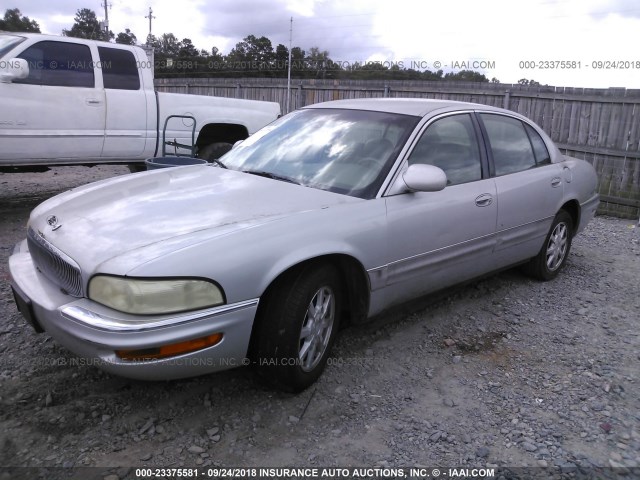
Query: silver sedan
{"points": [[331, 214]]}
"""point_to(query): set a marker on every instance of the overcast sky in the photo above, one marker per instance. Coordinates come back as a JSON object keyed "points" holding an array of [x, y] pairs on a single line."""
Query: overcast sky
{"points": [[500, 33]]}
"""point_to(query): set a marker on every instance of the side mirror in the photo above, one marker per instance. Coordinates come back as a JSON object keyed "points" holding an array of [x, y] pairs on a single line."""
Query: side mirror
{"points": [[424, 178], [14, 69]]}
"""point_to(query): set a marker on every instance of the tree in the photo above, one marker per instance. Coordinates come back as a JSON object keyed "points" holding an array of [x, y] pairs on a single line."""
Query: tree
{"points": [[281, 55], [169, 45], [127, 37], [87, 26], [524, 81], [319, 61], [187, 48], [466, 76], [14, 21], [298, 62], [252, 54]]}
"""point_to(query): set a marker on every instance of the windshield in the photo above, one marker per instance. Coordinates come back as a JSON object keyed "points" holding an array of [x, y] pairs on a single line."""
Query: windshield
{"points": [[342, 151], [7, 42]]}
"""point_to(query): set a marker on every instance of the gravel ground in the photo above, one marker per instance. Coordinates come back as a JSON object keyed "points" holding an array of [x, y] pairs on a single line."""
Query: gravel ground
{"points": [[505, 372]]}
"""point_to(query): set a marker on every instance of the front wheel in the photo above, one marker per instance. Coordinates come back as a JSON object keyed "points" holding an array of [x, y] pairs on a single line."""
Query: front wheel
{"points": [[553, 255], [298, 326]]}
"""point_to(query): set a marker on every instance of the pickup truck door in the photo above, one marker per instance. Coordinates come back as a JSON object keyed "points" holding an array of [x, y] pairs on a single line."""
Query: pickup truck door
{"points": [[131, 113], [56, 112]]}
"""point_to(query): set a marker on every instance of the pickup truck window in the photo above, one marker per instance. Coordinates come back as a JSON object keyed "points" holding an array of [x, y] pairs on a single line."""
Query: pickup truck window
{"points": [[119, 69], [7, 42], [59, 64]]}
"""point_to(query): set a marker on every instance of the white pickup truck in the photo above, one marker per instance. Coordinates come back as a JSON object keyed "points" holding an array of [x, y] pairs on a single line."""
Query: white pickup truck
{"points": [[70, 101]]}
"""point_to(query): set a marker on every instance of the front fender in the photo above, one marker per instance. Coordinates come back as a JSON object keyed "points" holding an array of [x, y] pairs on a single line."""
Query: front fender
{"points": [[246, 261]]}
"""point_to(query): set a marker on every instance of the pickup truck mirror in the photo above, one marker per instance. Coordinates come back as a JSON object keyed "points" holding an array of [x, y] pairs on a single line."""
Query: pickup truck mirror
{"points": [[424, 178], [14, 69]]}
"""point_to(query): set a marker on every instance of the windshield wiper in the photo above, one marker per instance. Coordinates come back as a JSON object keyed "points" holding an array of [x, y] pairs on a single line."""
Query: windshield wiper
{"points": [[262, 173], [215, 161]]}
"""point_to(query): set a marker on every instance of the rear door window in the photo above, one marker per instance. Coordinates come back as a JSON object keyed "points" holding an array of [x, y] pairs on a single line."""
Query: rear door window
{"points": [[119, 69], [509, 143]]}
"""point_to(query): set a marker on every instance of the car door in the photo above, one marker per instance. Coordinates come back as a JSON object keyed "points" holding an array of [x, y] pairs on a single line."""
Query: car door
{"points": [[529, 186], [56, 112], [440, 238], [127, 103]]}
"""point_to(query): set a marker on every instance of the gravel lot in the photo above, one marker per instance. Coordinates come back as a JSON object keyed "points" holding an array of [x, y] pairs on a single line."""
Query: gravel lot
{"points": [[504, 372]]}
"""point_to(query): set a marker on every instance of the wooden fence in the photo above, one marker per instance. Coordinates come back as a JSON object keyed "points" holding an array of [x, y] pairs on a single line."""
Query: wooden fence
{"points": [[601, 126]]}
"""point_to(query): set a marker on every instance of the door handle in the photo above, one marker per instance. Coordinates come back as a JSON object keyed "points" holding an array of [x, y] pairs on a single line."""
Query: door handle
{"points": [[93, 102], [484, 200], [556, 182]]}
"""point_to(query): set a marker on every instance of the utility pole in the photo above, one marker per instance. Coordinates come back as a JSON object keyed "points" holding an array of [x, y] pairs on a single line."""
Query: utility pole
{"points": [[289, 70], [106, 6], [150, 17]]}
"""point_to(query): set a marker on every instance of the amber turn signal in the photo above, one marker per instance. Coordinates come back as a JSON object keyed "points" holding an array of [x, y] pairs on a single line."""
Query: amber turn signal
{"points": [[171, 350]]}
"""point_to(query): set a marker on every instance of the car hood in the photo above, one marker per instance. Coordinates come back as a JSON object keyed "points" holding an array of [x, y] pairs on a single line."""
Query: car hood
{"points": [[168, 209]]}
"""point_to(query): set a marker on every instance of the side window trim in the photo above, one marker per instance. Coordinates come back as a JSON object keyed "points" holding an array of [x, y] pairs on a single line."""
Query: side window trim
{"points": [[482, 148], [486, 144]]}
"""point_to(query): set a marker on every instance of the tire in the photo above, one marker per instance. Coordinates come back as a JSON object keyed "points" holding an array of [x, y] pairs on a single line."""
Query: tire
{"points": [[213, 151], [553, 255], [137, 167], [298, 326]]}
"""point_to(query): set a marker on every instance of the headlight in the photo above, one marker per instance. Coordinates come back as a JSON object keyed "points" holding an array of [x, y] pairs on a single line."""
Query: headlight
{"points": [[154, 296]]}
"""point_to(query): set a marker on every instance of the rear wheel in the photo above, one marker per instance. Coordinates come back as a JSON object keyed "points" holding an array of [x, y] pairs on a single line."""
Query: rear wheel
{"points": [[298, 326], [213, 151], [137, 167], [553, 255]]}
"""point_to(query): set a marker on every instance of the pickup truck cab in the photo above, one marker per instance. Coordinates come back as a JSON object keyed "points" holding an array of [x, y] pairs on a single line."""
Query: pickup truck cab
{"points": [[72, 101]]}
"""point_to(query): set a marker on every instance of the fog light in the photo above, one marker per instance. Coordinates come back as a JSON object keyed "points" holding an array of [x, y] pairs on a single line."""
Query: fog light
{"points": [[172, 350]]}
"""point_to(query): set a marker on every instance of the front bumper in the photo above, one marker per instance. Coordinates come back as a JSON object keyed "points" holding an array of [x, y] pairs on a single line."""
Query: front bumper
{"points": [[95, 332]]}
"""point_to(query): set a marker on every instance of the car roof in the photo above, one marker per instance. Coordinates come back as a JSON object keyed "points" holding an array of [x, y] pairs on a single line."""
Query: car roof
{"points": [[45, 36], [407, 106]]}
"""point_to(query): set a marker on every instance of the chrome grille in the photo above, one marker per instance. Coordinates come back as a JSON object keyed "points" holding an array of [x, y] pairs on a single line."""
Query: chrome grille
{"points": [[54, 264]]}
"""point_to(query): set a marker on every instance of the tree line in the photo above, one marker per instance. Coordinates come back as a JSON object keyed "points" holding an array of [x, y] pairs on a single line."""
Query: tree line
{"points": [[252, 57]]}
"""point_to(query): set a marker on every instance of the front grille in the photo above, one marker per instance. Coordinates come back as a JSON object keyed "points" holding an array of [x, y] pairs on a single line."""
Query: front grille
{"points": [[54, 264]]}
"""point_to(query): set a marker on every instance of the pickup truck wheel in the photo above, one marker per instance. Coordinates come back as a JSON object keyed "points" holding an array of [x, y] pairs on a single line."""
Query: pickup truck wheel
{"points": [[553, 255], [300, 321], [137, 167], [214, 151]]}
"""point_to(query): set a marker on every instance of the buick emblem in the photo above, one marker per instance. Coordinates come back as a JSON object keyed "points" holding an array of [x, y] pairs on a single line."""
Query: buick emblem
{"points": [[52, 220]]}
